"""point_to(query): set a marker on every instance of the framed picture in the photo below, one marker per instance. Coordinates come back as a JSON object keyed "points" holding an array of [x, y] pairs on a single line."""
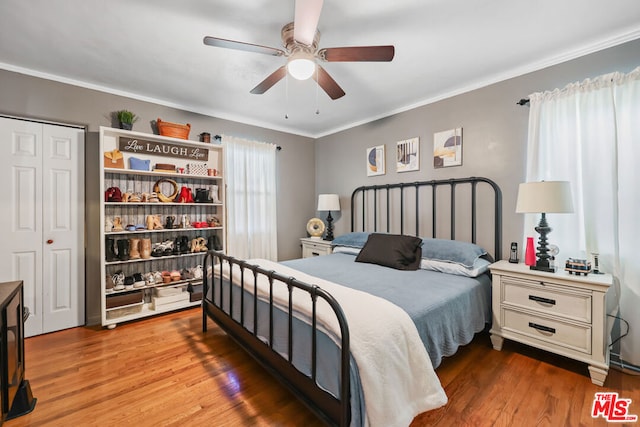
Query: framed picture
{"points": [[375, 161], [408, 155], [447, 148]]}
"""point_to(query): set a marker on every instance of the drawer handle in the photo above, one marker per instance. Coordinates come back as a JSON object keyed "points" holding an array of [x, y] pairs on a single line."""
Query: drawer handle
{"points": [[315, 254], [542, 328], [542, 300]]}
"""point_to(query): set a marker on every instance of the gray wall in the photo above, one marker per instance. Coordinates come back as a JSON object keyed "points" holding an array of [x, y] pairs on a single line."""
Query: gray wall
{"points": [[494, 136], [36, 98]]}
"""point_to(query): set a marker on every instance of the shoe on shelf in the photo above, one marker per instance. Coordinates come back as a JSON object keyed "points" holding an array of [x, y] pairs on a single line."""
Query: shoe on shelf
{"points": [[126, 196], [170, 222], [118, 281], [157, 276], [158, 250], [168, 247], [108, 284], [157, 223], [139, 281], [197, 272], [112, 194], [166, 277], [186, 274], [117, 224], [148, 279]]}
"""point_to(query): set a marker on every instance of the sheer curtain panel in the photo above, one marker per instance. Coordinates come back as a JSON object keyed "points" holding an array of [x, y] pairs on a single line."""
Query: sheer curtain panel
{"points": [[250, 169], [585, 134]]}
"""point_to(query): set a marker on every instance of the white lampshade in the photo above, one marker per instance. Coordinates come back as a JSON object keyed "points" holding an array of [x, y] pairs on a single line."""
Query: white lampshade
{"points": [[328, 202], [545, 197], [301, 65]]}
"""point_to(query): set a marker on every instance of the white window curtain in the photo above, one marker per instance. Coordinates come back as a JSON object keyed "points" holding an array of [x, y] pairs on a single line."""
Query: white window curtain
{"points": [[588, 133], [250, 170]]}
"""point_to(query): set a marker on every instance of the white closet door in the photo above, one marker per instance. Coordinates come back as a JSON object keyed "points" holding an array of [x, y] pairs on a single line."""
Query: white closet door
{"points": [[63, 228], [39, 167]]}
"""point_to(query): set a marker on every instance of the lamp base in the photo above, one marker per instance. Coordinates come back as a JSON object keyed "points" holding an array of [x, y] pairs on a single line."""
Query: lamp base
{"points": [[329, 235]]}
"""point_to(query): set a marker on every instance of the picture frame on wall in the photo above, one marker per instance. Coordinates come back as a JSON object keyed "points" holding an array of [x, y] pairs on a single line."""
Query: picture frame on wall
{"points": [[447, 148], [408, 155], [375, 161]]}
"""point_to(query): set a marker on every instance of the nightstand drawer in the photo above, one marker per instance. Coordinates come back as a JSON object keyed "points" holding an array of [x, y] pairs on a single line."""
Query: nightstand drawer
{"points": [[315, 247], [547, 298], [568, 335]]}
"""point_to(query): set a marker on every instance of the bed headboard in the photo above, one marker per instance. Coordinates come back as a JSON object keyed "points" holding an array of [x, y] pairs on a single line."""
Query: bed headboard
{"points": [[470, 208]]}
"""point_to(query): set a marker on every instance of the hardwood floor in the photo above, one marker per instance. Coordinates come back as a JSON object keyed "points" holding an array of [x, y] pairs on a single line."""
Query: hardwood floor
{"points": [[164, 371]]}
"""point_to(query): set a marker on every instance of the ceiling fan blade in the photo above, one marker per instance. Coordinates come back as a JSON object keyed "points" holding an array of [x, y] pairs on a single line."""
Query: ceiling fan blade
{"points": [[247, 47], [273, 78], [358, 53], [327, 83], [307, 14]]}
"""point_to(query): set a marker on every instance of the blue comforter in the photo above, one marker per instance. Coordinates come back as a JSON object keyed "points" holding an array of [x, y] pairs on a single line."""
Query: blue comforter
{"points": [[447, 309]]}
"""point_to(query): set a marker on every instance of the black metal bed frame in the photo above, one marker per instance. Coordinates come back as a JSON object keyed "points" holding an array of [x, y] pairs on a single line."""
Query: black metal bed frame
{"points": [[332, 410], [329, 408], [376, 190]]}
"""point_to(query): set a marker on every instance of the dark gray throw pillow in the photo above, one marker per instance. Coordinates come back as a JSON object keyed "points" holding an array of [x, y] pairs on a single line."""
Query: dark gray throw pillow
{"points": [[392, 250]]}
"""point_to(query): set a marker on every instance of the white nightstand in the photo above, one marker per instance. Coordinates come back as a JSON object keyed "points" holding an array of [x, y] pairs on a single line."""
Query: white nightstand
{"points": [[315, 247], [558, 312]]}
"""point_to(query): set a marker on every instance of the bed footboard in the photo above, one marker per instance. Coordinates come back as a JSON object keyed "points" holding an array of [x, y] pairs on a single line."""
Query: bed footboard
{"points": [[218, 304]]}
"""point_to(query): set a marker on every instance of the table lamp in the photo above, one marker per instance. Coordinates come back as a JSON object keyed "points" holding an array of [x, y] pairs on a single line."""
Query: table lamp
{"points": [[544, 197], [329, 202]]}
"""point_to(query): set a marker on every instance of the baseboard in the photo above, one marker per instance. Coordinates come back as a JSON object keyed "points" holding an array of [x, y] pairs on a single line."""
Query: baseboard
{"points": [[622, 365]]}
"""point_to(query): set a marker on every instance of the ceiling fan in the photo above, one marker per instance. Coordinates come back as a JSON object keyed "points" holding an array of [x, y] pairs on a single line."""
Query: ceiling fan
{"points": [[300, 39]]}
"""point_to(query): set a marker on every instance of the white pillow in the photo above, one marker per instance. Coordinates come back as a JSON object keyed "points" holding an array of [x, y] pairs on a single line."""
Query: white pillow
{"points": [[479, 266], [346, 250]]}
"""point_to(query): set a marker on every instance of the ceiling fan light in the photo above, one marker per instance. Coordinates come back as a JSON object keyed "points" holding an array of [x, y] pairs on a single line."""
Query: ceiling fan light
{"points": [[301, 67]]}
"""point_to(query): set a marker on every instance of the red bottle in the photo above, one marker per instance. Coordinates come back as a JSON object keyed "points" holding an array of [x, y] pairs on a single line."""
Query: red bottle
{"points": [[530, 253]]}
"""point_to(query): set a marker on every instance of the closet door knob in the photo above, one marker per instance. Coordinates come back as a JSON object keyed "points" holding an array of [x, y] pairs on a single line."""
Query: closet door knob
{"points": [[49, 242]]}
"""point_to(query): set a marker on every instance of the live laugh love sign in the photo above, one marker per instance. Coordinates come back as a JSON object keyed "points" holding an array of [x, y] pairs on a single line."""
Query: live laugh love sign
{"points": [[165, 149]]}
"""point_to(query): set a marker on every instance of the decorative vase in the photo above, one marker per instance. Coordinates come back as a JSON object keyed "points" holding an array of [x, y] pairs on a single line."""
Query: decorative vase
{"points": [[126, 126], [530, 253]]}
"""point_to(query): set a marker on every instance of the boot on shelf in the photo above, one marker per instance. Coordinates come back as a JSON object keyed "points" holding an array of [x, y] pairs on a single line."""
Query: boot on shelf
{"points": [[213, 242], [123, 250], [185, 196], [145, 248], [150, 222], [177, 246], [110, 249], [214, 194], [202, 196], [134, 248]]}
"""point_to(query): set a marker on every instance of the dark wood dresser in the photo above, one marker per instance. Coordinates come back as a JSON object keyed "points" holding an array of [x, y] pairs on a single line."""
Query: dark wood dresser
{"points": [[15, 392]]}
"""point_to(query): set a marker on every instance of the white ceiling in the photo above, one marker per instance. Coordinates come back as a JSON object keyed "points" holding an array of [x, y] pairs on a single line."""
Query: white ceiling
{"points": [[152, 50]]}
